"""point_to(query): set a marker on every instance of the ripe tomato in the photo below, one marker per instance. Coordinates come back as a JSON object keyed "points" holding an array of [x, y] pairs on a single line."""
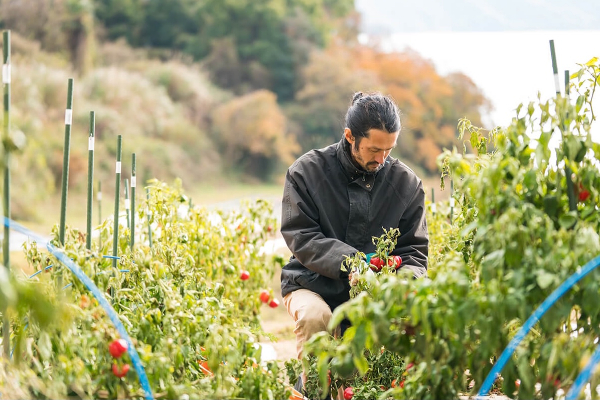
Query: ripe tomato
{"points": [[348, 393], [395, 261], [264, 296], [399, 384], [376, 264], [245, 275], [84, 302], [117, 348], [274, 303], [119, 373]]}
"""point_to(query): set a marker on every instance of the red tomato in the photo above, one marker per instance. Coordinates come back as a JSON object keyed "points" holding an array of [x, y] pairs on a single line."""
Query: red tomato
{"points": [[245, 275], [376, 264], [84, 302], [395, 261], [400, 384], [348, 393], [584, 195], [119, 373], [274, 303], [264, 296], [117, 348]]}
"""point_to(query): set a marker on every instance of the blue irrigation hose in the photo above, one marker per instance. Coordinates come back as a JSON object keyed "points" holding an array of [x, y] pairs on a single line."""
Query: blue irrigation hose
{"points": [[584, 376], [535, 317], [61, 256], [40, 271]]}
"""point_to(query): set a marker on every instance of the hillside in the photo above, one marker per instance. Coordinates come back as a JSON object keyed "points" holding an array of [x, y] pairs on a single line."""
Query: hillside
{"points": [[239, 112]]}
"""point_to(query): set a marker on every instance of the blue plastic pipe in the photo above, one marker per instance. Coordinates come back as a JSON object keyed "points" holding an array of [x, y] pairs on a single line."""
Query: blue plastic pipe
{"points": [[535, 317], [584, 376], [112, 314]]}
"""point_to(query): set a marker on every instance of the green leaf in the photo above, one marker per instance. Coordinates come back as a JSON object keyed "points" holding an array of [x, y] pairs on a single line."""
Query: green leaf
{"points": [[579, 104], [567, 221], [544, 278], [551, 205], [361, 363], [530, 180]]}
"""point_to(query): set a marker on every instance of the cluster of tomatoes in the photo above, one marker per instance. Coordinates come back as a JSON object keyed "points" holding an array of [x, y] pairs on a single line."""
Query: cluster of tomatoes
{"points": [[264, 295], [376, 264], [117, 348]]}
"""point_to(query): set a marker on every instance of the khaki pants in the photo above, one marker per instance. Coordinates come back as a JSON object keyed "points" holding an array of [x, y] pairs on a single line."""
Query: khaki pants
{"points": [[310, 313]]}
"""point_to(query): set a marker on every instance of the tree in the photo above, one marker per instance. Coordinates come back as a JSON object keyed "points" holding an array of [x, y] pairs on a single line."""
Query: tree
{"points": [[251, 132], [329, 81]]}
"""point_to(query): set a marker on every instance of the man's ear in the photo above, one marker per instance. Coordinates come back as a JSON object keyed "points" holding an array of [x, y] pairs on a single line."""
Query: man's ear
{"points": [[348, 135]]}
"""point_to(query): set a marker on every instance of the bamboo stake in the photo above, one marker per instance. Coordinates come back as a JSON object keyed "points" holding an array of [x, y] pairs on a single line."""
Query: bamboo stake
{"points": [[133, 183], [90, 186], [6, 241]]}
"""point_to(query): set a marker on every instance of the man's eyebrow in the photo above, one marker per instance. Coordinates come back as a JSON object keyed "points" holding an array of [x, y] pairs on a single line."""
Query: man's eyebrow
{"points": [[378, 149]]}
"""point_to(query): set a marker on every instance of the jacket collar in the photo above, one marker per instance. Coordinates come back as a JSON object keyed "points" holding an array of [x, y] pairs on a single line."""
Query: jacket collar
{"points": [[353, 171]]}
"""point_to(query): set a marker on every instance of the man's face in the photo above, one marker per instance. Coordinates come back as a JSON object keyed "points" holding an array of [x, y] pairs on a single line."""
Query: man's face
{"points": [[372, 150]]}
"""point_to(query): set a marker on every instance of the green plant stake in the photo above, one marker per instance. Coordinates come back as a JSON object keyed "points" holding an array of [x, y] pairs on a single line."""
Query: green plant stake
{"points": [[451, 201], [127, 200], [567, 83], [65, 172], [99, 198], [433, 201], [90, 186], [554, 68], [116, 221], [149, 214], [6, 140], [132, 231], [568, 172]]}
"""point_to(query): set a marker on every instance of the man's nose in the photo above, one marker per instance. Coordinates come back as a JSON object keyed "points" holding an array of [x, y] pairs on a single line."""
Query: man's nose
{"points": [[380, 157]]}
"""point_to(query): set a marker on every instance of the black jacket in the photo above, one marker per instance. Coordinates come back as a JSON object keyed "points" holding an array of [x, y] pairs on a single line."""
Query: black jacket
{"points": [[332, 209]]}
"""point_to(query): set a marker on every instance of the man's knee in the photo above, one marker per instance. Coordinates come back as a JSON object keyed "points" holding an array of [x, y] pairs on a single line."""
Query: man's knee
{"points": [[314, 318]]}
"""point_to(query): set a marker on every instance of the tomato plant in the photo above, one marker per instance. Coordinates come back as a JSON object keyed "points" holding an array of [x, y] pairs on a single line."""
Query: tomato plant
{"points": [[521, 225], [193, 326]]}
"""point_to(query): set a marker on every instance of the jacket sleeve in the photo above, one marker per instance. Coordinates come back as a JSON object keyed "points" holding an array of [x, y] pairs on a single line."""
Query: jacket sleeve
{"points": [[303, 234], [413, 243]]}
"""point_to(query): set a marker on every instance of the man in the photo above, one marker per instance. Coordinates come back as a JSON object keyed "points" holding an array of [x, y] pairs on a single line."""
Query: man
{"points": [[335, 200]]}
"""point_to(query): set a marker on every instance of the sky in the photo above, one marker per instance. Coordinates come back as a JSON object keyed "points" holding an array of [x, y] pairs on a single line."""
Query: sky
{"points": [[509, 65]]}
